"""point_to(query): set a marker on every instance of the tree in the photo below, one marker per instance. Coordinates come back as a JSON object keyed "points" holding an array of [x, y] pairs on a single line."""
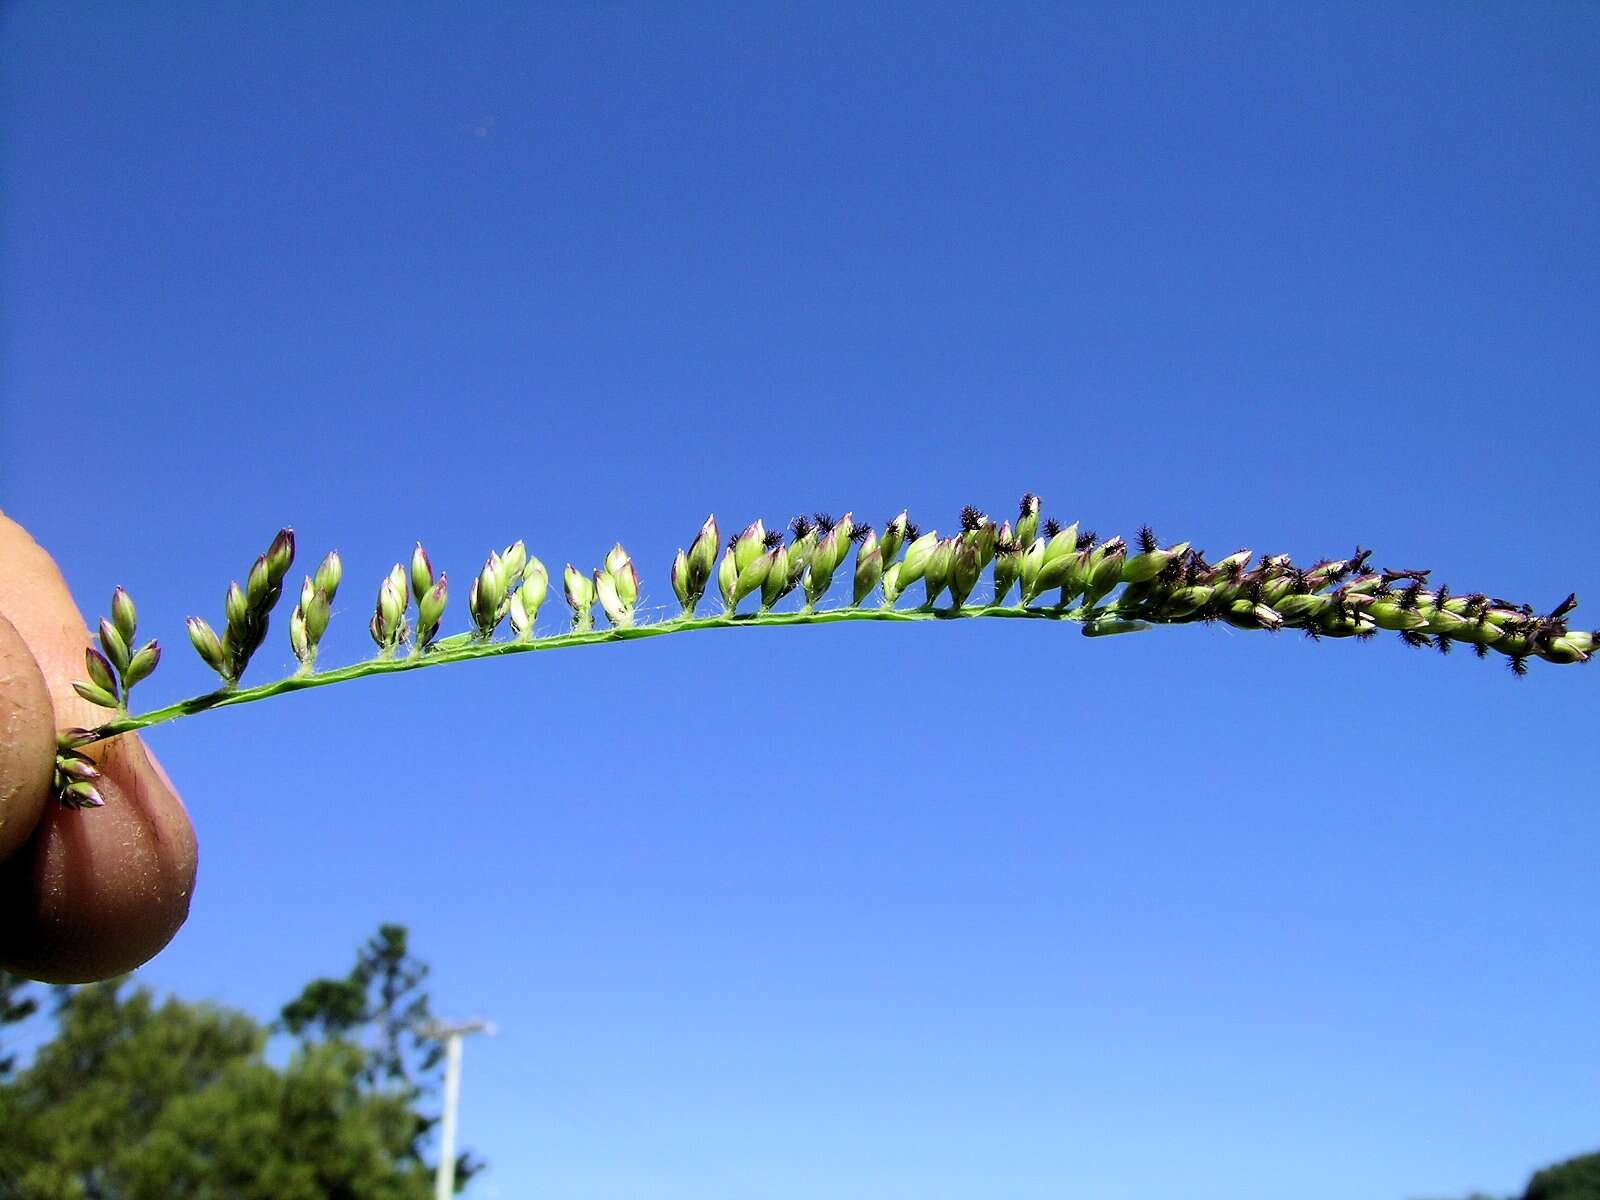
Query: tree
{"points": [[135, 1099], [382, 995], [1575, 1179]]}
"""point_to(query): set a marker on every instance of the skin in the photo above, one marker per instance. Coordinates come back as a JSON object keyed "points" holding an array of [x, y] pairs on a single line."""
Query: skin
{"points": [[84, 894]]}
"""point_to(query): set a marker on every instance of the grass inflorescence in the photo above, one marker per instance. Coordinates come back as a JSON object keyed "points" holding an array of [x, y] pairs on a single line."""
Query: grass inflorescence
{"points": [[1057, 571]]}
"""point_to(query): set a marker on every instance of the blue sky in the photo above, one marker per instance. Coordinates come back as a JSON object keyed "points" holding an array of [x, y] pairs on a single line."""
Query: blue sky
{"points": [[933, 912]]}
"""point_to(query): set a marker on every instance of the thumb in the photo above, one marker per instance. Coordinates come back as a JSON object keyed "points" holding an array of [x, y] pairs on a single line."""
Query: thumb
{"points": [[93, 892], [27, 741]]}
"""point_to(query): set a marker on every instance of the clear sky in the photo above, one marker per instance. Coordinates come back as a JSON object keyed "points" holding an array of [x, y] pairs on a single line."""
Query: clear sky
{"points": [[861, 911]]}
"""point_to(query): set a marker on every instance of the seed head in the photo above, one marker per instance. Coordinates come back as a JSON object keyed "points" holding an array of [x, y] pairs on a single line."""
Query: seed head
{"points": [[317, 610], [81, 794], [430, 610], [869, 566], [917, 556], [141, 665], [1029, 568], [329, 574], [421, 572], [1007, 562], [894, 536], [388, 617], [258, 584], [236, 606], [298, 641], [522, 617], [619, 565], [754, 577], [965, 568], [680, 579], [750, 544], [206, 644], [535, 585], [616, 559], [580, 597], [1149, 563], [100, 673], [702, 560], [1102, 569], [891, 584], [728, 578], [279, 557], [937, 570], [111, 642], [1028, 519], [606, 590], [825, 559], [776, 584], [124, 615]]}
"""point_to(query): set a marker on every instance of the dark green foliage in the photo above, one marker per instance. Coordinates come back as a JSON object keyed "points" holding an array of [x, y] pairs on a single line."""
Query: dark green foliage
{"points": [[135, 1099], [15, 1005], [382, 995], [1575, 1179]]}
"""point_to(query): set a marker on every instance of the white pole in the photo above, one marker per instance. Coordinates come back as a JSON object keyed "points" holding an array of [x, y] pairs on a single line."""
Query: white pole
{"points": [[444, 1185], [444, 1181]]}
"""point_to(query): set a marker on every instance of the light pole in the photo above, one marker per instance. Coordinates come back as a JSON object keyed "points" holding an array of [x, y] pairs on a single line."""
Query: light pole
{"points": [[444, 1182]]}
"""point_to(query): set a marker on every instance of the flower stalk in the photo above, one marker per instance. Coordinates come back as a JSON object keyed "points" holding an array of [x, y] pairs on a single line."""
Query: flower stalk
{"points": [[1160, 585]]}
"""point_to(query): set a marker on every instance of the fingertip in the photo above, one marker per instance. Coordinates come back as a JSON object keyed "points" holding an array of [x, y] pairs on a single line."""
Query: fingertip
{"points": [[97, 892], [27, 741]]}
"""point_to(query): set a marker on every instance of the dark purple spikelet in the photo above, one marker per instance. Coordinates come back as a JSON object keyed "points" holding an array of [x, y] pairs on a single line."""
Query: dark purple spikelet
{"points": [[1442, 644], [1566, 606], [1051, 527], [733, 541], [1027, 504], [972, 519], [773, 540], [860, 533], [825, 523], [1519, 665], [1412, 595], [1417, 641], [913, 531], [1147, 540], [1087, 538], [1358, 560], [1480, 649], [800, 526], [1390, 574]]}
